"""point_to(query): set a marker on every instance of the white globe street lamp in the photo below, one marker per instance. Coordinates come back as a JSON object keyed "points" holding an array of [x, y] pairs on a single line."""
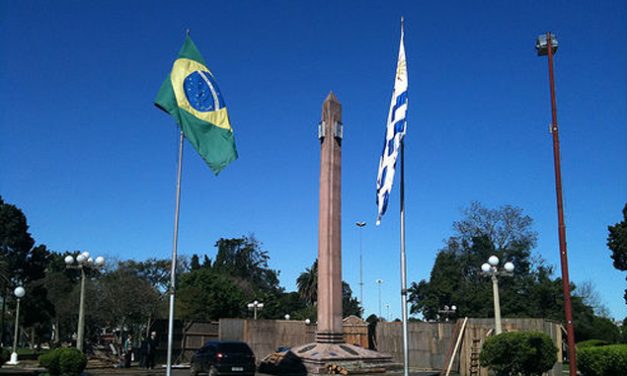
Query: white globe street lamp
{"points": [[448, 311], [19, 294], [491, 268], [83, 260], [307, 321], [254, 306], [287, 316]]}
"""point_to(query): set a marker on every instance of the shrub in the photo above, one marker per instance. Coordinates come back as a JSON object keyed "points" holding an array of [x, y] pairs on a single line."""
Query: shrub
{"points": [[5, 355], [64, 361], [50, 361], [592, 343], [602, 360], [520, 353]]}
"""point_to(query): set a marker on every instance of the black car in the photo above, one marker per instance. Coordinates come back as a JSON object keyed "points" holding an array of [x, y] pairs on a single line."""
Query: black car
{"points": [[224, 358]]}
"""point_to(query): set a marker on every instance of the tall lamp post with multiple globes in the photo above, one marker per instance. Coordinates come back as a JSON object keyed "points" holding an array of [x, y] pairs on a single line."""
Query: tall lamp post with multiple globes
{"points": [[255, 306], [448, 312], [19, 294], [546, 45], [82, 261], [491, 269]]}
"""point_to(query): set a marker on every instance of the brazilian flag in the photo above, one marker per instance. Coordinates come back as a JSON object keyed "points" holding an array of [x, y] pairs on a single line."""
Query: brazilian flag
{"points": [[191, 95]]}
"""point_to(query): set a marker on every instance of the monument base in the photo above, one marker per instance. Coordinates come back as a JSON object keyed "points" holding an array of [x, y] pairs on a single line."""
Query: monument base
{"points": [[327, 358]]}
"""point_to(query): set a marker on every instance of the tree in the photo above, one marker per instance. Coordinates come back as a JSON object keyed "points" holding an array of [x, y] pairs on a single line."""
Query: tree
{"points": [[350, 304], [125, 299], [590, 297], [617, 243], [519, 353], [243, 259], [307, 284], [206, 295], [15, 240], [506, 232], [194, 263]]}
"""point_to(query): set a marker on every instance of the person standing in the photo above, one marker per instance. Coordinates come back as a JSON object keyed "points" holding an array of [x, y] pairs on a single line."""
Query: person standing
{"points": [[151, 348], [128, 351]]}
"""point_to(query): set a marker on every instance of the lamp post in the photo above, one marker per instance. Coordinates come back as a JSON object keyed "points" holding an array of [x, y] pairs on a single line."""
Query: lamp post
{"points": [[379, 283], [19, 294], [287, 316], [546, 45], [448, 311], [361, 225], [491, 268], [254, 306], [83, 261], [387, 312]]}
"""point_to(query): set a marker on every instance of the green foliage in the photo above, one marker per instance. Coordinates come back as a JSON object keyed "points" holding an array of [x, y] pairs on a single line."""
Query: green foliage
{"points": [[50, 361], [456, 276], [15, 240], [5, 355], [532, 291], [592, 343], [64, 361], [520, 353], [206, 295], [603, 360], [243, 259], [350, 304], [72, 362], [617, 243], [307, 284], [125, 299]]}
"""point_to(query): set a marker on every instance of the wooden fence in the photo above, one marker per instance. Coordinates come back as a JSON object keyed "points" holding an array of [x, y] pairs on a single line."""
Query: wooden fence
{"points": [[429, 343]]}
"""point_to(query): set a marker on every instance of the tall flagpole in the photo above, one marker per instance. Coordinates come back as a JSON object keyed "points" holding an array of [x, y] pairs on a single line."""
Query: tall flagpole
{"points": [[403, 265], [403, 262], [174, 247]]}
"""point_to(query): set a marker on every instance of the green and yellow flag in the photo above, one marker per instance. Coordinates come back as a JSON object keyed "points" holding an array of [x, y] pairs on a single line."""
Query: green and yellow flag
{"points": [[191, 95]]}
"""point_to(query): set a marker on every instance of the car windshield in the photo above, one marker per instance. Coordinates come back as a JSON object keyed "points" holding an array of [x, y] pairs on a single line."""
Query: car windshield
{"points": [[241, 348]]}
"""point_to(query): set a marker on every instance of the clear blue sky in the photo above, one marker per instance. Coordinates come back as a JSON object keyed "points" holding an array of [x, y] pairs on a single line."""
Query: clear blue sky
{"points": [[93, 164]]}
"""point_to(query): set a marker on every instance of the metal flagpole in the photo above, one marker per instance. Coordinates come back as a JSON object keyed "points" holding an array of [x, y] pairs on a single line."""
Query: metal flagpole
{"points": [[572, 354], [403, 264], [174, 246]]}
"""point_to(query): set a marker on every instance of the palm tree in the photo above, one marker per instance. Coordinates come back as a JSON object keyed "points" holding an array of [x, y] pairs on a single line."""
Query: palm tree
{"points": [[307, 283]]}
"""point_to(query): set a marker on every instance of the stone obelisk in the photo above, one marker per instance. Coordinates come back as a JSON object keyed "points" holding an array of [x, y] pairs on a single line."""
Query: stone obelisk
{"points": [[330, 328], [329, 348]]}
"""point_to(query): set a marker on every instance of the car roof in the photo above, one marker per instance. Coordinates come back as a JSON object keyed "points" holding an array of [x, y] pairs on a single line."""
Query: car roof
{"points": [[214, 342]]}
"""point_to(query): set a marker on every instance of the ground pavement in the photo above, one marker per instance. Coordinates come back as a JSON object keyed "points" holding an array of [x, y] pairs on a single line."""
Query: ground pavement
{"points": [[136, 371]]}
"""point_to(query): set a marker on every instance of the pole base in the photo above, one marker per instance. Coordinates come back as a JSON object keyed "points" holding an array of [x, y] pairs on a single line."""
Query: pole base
{"points": [[13, 360], [324, 358]]}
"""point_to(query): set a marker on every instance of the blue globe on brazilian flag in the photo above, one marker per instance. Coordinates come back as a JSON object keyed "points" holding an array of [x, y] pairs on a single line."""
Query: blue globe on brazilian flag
{"points": [[192, 96]]}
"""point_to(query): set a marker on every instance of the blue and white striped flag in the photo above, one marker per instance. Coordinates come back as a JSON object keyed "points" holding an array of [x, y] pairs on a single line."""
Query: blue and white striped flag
{"points": [[394, 132]]}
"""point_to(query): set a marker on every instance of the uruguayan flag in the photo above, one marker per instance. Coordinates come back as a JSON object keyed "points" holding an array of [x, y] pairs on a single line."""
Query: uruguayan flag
{"points": [[395, 130]]}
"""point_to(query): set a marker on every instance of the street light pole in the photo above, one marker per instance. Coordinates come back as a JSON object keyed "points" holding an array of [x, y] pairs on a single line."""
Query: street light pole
{"points": [[490, 268], [82, 261], [547, 45], [361, 263], [19, 294], [254, 306], [497, 304], [379, 283], [81, 314]]}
